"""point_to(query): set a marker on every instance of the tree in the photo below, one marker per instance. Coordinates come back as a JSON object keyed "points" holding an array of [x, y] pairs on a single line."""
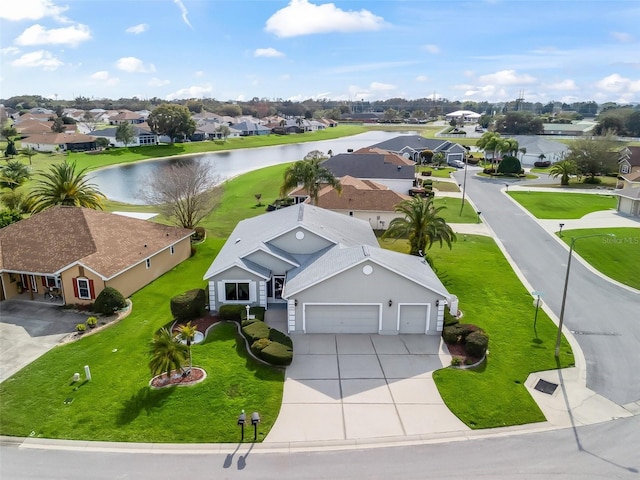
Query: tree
{"points": [[426, 156], [8, 132], [89, 121], [187, 333], [224, 131], [29, 152], [519, 123], [102, 142], [171, 120], [11, 150], [310, 174], [125, 133], [563, 169], [63, 185], [13, 174], [167, 352], [594, 156], [422, 225], [258, 197], [184, 192], [489, 141], [509, 165], [58, 126], [438, 158]]}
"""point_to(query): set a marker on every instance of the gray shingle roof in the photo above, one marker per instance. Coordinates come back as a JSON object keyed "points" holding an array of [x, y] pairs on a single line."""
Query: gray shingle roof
{"points": [[414, 142], [367, 165]]}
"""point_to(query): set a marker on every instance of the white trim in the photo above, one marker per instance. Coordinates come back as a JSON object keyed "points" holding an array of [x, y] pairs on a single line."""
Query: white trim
{"points": [[223, 291], [83, 279], [304, 311], [241, 266], [147, 263], [428, 319]]}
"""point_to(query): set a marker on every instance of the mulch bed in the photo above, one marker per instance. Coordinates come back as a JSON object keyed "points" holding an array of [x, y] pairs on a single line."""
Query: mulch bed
{"points": [[177, 377], [202, 323], [456, 350]]}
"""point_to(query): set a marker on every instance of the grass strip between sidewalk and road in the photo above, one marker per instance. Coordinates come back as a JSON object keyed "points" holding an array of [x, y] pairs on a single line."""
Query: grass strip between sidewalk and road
{"points": [[551, 205]]}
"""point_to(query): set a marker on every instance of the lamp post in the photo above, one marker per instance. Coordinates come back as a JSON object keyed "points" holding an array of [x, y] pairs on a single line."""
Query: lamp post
{"points": [[242, 418], [255, 420], [560, 232], [566, 284], [464, 184]]}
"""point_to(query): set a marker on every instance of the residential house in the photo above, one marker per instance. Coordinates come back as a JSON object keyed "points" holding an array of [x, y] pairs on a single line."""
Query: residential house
{"points": [[629, 201], [534, 146], [248, 129], [363, 199], [463, 116], [630, 180], [629, 160], [77, 252], [60, 142], [389, 169], [33, 127], [411, 146], [126, 116], [574, 129], [142, 136], [329, 273]]}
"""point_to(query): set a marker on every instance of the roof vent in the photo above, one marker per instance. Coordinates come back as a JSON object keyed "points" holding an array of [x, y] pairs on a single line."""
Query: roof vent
{"points": [[399, 167], [238, 240], [365, 250]]}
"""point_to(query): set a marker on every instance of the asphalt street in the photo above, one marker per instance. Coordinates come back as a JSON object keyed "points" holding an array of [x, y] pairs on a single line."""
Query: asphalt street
{"points": [[605, 318], [571, 454]]}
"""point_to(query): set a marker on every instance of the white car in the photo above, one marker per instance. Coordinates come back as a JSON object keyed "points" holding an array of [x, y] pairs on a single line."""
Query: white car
{"points": [[456, 163]]}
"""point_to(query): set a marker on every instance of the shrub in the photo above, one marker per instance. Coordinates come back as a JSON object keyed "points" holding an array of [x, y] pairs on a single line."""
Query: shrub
{"points": [[592, 180], [489, 171], [543, 164], [458, 332], [256, 331], [509, 165], [231, 312], [476, 343], [92, 322], [199, 234], [189, 305], [450, 319], [259, 345], [279, 337], [257, 312], [81, 327], [277, 354], [193, 250], [456, 361], [109, 300]]}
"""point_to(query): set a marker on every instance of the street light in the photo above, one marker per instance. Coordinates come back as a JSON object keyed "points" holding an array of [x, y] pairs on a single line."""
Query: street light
{"points": [[255, 420], [242, 418], [566, 284], [560, 232]]}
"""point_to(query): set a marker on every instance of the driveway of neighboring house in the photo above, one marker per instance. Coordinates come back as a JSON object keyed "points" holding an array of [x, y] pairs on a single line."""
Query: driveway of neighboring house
{"points": [[30, 329], [356, 387]]}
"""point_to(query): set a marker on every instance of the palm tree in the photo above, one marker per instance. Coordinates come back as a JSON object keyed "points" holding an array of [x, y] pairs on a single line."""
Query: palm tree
{"points": [[490, 141], [29, 152], [187, 333], [13, 174], [563, 169], [422, 225], [310, 174], [167, 353], [63, 185]]}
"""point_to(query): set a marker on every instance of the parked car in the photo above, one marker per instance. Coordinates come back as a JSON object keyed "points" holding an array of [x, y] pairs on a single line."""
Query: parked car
{"points": [[456, 163], [479, 129]]}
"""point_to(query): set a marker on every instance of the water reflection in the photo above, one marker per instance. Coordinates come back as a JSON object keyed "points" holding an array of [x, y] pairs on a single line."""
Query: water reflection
{"points": [[123, 183]]}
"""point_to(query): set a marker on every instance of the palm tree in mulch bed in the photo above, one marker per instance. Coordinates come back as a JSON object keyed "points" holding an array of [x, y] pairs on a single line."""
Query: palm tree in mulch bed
{"points": [[187, 333], [168, 353]]}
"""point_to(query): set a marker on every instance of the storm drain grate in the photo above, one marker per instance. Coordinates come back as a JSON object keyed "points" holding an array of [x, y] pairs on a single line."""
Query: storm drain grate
{"points": [[546, 387]]}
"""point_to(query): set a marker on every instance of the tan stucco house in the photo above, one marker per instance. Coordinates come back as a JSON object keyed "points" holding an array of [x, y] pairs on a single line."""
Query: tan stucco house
{"points": [[70, 254]]}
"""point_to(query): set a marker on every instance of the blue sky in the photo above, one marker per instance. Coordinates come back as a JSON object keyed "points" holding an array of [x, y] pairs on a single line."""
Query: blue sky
{"points": [[570, 50]]}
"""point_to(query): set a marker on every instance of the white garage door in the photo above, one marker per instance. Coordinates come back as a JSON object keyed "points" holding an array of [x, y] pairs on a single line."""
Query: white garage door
{"points": [[413, 318], [342, 318]]}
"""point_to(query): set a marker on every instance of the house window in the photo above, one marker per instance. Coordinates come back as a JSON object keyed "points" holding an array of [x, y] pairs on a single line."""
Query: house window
{"points": [[624, 169], [148, 262], [172, 250], [84, 291], [236, 291], [52, 282]]}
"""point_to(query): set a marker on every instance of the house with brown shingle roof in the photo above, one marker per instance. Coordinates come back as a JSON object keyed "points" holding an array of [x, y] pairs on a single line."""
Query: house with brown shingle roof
{"points": [[363, 199], [51, 142], [77, 252], [629, 160]]}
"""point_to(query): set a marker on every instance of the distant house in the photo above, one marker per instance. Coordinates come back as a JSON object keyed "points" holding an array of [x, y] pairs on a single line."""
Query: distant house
{"points": [[365, 117], [631, 180], [78, 252], [629, 201], [410, 146], [33, 127], [363, 199], [465, 116], [389, 169], [141, 136], [575, 129], [248, 129], [126, 116], [52, 142], [535, 145], [629, 160], [330, 274]]}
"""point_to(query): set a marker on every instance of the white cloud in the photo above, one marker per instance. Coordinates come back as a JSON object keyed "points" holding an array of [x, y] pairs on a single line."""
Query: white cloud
{"points": [[622, 37], [381, 87], [431, 48], [199, 73], [40, 58], [156, 82], [422, 78], [104, 77], [506, 77], [267, 52], [191, 92], [38, 35], [138, 29], [241, 98], [567, 84], [303, 18], [184, 11], [16, 10], [10, 51], [615, 83], [134, 65]]}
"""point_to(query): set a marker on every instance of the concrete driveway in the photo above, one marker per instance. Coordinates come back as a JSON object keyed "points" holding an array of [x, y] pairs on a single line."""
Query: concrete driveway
{"points": [[350, 387], [30, 329]]}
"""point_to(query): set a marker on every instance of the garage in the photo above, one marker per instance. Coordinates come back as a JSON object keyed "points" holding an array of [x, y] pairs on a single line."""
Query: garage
{"points": [[412, 318], [338, 318]]}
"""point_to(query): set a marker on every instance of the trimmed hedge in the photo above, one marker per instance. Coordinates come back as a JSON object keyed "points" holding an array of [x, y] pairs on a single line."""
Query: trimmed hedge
{"points": [[109, 300], [458, 333], [267, 343], [476, 344], [231, 312], [189, 305]]}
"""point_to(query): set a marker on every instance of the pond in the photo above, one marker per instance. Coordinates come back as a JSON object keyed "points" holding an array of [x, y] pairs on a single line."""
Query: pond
{"points": [[124, 183]]}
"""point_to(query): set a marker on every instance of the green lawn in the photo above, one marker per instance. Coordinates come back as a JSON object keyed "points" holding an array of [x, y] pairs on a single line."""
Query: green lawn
{"points": [[117, 405], [451, 212], [492, 297], [441, 172], [445, 186], [617, 257], [551, 205]]}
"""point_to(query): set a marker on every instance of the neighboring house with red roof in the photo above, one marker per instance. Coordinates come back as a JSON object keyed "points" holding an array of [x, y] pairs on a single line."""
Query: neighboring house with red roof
{"points": [[51, 142], [363, 199], [126, 116], [77, 252]]}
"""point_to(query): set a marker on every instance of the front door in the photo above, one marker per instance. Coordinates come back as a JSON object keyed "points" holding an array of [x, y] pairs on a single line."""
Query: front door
{"points": [[275, 287]]}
